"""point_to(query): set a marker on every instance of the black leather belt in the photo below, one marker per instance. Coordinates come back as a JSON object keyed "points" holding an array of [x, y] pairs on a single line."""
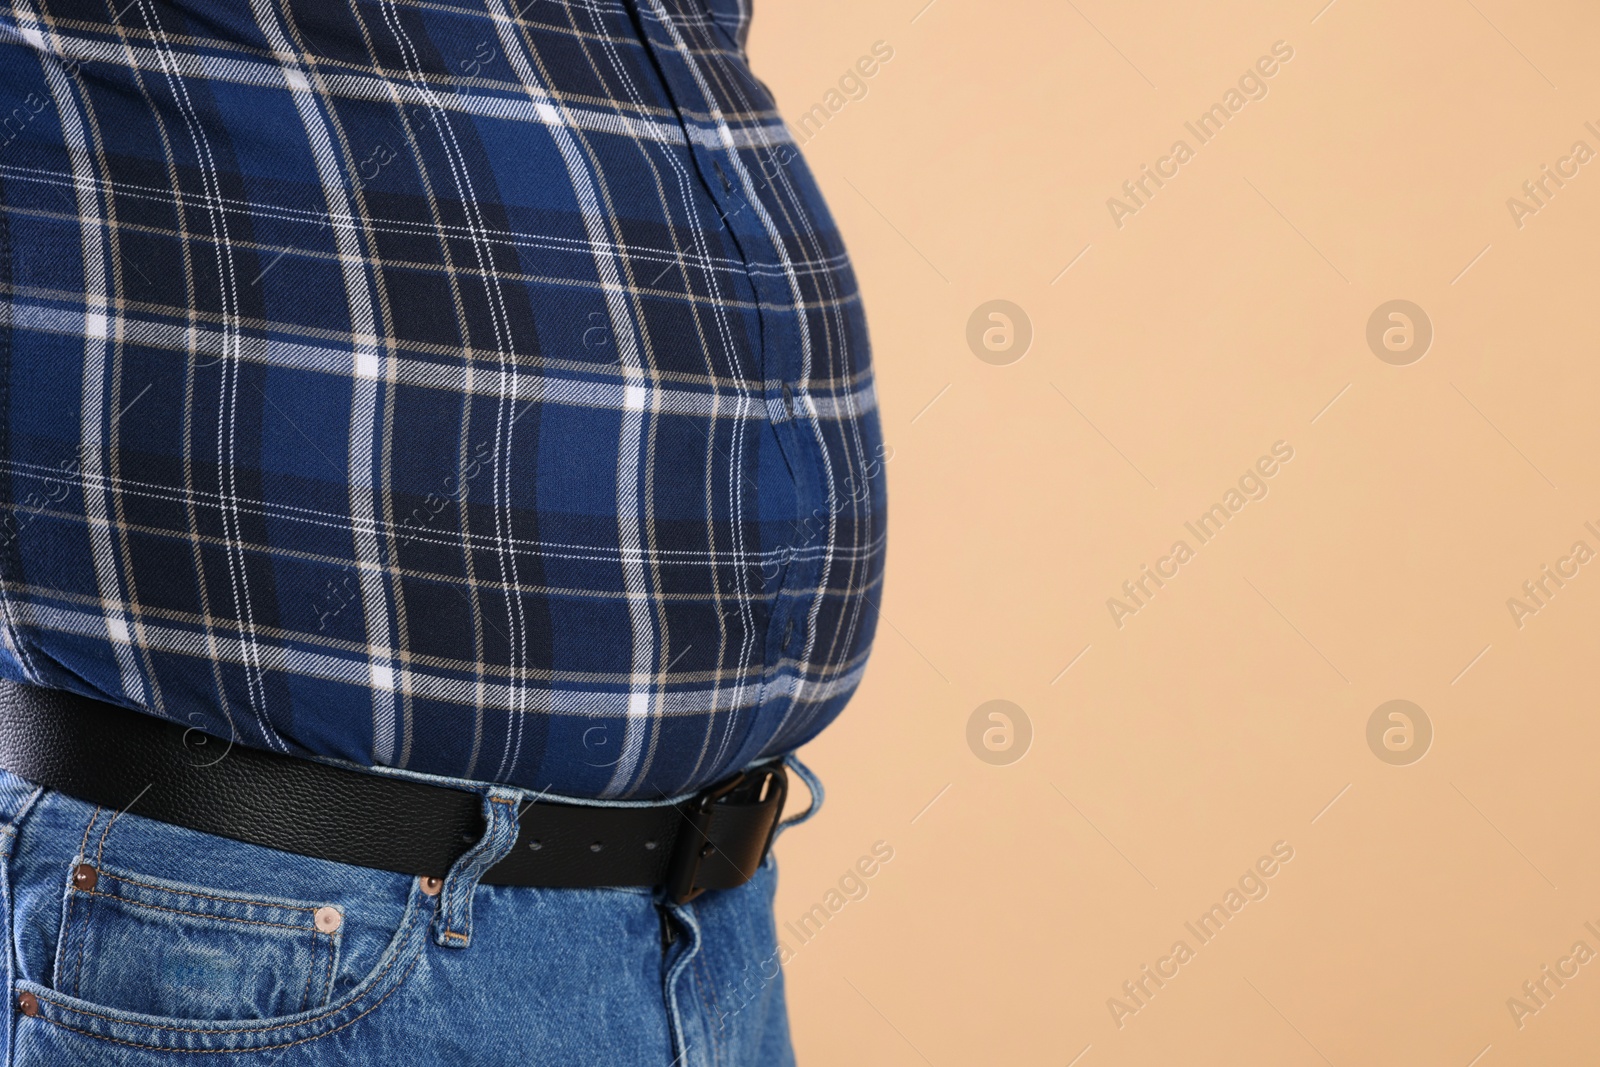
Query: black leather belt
{"points": [[121, 759]]}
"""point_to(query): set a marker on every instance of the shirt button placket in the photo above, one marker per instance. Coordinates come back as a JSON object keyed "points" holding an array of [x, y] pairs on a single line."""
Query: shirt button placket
{"points": [[780, 359]]}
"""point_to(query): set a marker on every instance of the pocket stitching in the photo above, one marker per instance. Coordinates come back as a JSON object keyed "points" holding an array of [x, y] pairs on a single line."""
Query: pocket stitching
{"points": [[327, 983], [333, 954], [88, 907], [287, 1044], [241, 899], [80, 932], [66, 920], [305, 996], [404, 938], [82, 939], [193, 914]]}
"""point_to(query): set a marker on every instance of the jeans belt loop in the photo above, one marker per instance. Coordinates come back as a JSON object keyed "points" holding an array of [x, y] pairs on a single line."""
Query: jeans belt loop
{"points": [[813, 786], [453, 926]]}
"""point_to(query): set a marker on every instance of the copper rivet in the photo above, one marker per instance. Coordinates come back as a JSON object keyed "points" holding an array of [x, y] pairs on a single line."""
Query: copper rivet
{"points": [[328, 919], [431, 886], [85, 877], [28, 1004]]}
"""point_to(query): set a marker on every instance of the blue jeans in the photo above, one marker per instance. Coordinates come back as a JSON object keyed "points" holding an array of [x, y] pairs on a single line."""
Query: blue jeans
{"points": [[132, 942]]}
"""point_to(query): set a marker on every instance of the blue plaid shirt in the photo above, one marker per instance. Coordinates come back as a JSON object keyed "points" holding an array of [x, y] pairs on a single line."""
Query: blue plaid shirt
{"points": [[478, 387]]}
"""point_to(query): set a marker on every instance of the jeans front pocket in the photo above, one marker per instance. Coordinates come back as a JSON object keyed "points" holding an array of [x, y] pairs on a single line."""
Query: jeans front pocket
{"points": [[132, 940], [137, 943]]}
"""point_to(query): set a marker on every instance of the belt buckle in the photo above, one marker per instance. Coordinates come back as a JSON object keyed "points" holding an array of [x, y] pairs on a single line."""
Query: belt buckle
{"points": [[694, 844]]}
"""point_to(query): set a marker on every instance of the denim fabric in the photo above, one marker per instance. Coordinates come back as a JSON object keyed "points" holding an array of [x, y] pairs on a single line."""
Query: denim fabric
{"points": [[181, 943]]}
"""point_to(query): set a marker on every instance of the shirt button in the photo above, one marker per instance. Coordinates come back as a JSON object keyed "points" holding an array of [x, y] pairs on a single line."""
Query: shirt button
{"points": [[716, 165], [788, 399], [788, 635]]}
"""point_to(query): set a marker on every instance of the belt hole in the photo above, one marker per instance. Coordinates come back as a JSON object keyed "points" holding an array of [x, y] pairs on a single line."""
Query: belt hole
{"points": [[535, 845], [649, 846], [596, 847]]}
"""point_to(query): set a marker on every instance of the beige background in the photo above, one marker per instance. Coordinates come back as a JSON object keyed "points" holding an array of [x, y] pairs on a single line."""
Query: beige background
{"points": [[1232, 709]]}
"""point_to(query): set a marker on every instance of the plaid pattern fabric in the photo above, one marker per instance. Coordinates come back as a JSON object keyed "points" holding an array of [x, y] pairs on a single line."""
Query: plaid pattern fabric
{"points": [[478, 387]]}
